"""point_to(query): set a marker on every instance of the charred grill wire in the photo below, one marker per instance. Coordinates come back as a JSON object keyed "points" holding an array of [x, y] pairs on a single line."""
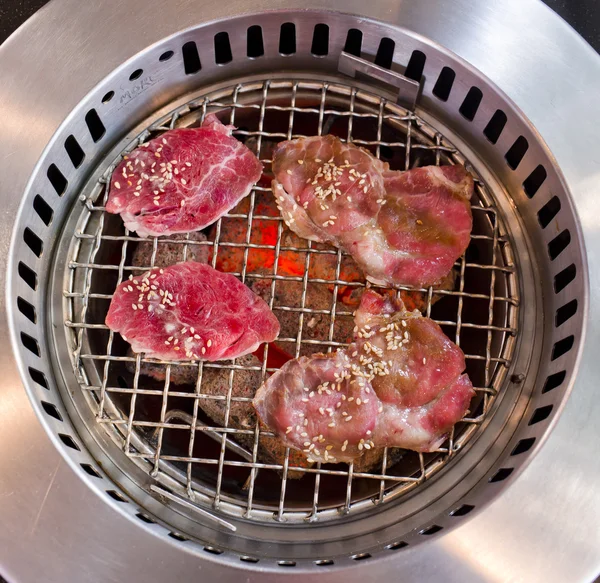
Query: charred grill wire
{"points": [[162, 425]]}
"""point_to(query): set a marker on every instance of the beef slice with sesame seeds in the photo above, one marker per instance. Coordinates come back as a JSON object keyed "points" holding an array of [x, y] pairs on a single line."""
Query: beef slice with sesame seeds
{"points": [[401, 228], [400, 385], [190, 311], [183, 180]]}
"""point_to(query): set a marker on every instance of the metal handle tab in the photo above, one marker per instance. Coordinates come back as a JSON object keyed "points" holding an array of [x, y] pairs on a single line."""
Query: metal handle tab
{"points": [[179, 500], [408, 89]]}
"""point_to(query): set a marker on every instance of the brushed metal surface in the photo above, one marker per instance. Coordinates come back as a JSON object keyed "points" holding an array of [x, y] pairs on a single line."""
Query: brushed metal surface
{"points": [[544, 527]]}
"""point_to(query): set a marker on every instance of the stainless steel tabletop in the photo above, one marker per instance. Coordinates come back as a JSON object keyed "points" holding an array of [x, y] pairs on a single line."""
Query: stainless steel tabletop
{"points": [[544, 527]]}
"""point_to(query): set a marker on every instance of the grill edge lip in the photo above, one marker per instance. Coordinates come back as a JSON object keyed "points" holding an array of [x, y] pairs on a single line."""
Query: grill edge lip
{"points": [[586, 309]]}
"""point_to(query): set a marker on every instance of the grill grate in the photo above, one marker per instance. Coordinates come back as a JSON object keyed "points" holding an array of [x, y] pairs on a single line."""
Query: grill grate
{"points": [[162, 427]]}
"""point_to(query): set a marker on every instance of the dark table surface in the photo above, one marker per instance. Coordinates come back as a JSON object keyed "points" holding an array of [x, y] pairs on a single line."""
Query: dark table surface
{"points": [[582, 15]]}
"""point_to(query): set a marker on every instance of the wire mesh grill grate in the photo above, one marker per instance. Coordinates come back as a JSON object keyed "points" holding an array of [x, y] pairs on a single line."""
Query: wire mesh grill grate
{"points": [[163, 415]]}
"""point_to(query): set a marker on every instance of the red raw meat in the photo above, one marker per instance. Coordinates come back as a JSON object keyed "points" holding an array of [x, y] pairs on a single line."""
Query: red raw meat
{"points": [[183, 180], [400, 384], [400, 227], [190, 311]]}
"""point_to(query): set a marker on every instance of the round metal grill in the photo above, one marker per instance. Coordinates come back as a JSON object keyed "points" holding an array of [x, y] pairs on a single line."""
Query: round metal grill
{"points": [[162, 424]]}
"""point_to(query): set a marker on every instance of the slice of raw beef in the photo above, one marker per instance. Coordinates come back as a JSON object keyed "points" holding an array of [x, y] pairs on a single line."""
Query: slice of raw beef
{"points": [[182, 181], [190, 311], [400, 227], [400, 384]]}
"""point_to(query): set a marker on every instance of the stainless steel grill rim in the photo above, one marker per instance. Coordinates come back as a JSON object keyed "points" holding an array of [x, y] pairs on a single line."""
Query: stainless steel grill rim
{"points": [[535, 411]]}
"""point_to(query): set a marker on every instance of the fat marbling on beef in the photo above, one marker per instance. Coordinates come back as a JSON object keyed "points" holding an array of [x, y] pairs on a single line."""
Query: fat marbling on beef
{"points": [[400, 227], [190, 311], [400, 384], [182, 181]]}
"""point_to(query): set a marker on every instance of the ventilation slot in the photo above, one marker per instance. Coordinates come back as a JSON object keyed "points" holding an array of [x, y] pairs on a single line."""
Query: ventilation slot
{"points": [[38, 377], [353, 42], [416, 64], [136, 74], [324, 563], [534, 181], [30, 343], [26, 309], [523, 446], [57, 179], [178, 537], [444, 83], [385, 53], [95, 125], [540, 414], [548, 211], [145, 518], [431, 530], [463, 510], [563, 278], [28, 275], [559, 244], [51, 410], [554, 380], [247, 559], [562, 347], [494, 128], [68, 441], [166, 56], [516, 152], [565, 312], [74, 150], [501, 475], [108, 96], [287, 39], [213, 550], [470, 105], [286, 563], [33, 242], [361, 557], [116, 496], [320, 41], [43, 209], [254, 42], [396, 546], [90, 471], [191, 59], [222, 49]]}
